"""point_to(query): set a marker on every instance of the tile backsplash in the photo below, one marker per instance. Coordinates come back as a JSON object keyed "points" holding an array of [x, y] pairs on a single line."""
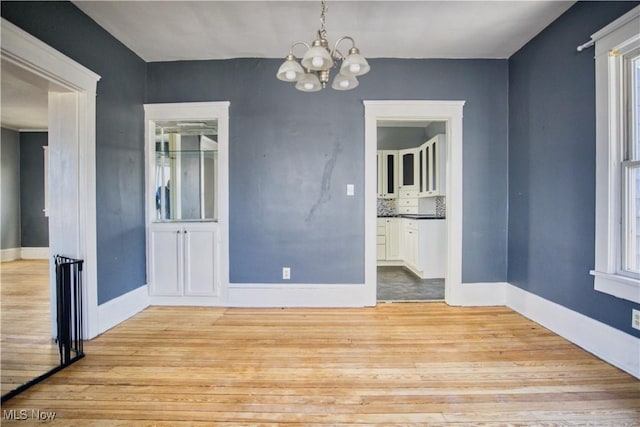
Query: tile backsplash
{"points": [[441, 206], [387, 207], [429, 205]]}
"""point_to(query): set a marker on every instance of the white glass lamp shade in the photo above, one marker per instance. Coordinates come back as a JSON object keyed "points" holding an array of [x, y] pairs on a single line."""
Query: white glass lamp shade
{"points": [[354, 65], [290, 70], [342, 82], [309, 83], [317, 58]]}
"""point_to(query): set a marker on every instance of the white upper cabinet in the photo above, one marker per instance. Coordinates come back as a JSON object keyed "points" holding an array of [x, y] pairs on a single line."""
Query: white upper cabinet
{"points": [[387, 174], [409, 169], [432, 167]]}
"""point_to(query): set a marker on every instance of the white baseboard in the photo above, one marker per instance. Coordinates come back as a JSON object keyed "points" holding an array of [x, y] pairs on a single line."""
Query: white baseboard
{"points": [[609, 344], [34, 253], [298, 295], [9, 254], [202, 301], [13, 254], [477, 294], [119, 309]]}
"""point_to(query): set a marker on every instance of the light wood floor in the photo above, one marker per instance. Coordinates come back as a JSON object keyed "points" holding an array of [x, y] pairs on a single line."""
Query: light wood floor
{"points": [[25, 331], [402, 364]]}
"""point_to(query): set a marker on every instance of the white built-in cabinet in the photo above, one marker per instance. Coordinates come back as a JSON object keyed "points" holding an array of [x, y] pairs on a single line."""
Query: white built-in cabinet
{"points": [[183, 259], [186, 203], [418, 244], [387, 174], [413, 172], [408, 173], [432, 167], [381, 240], [388, 239], [424, 246]]}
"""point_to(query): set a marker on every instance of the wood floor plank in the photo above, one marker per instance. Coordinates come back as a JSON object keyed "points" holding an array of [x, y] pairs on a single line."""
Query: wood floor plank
{"points": [[395, 364], [27, 349]]}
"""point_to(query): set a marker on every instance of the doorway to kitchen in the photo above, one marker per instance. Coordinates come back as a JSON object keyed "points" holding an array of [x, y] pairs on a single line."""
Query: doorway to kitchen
{"points": [[411, 210], [407, 249]]}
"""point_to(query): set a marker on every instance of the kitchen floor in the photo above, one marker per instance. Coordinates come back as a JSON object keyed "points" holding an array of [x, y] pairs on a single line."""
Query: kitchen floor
{"points": [[399, 284]]}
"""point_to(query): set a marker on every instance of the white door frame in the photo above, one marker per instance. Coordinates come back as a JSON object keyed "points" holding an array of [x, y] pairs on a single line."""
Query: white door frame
{"points": [[77, 116], [451, 113]]}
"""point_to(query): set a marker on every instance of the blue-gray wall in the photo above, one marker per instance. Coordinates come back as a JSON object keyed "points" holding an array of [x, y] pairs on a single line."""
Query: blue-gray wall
{"points": [[119, 134], [552, 166], [10, 191], [291, 155], [34, 226]]}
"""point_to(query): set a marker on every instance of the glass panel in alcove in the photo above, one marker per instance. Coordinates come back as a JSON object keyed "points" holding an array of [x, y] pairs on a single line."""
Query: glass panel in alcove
{"points": [[186, 171]]}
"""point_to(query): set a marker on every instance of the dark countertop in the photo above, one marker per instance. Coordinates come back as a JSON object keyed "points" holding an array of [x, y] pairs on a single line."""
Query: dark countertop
{"points": [[413, 216]]}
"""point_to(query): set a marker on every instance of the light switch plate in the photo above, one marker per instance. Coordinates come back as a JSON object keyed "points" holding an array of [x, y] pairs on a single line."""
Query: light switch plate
{"points": [[350, 190]]}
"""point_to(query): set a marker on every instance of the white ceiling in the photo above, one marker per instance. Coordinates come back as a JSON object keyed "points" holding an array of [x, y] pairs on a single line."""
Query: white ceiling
{"points": [[24, 99], [192, 30]]}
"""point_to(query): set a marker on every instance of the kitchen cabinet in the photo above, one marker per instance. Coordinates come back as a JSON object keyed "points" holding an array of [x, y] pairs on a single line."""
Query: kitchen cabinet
{"points": [[407, 202], [183, 259], [388, 239], [410, 244], [432, 167], [424, 247], [387, 174], [392, 234], [408, 169], [381, 239]]}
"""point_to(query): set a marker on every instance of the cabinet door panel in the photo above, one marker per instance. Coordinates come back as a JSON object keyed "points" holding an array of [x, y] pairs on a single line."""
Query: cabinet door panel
{"points": [[200, 262], [165, 262], [393, 239], [391, 174]]}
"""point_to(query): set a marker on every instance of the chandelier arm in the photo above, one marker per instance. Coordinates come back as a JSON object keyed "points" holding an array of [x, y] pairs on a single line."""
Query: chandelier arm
{"points": [[296, 44], [335, 46]]}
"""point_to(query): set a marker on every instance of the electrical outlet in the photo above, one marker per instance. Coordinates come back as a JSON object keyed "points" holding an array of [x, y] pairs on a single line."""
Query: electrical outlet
{"points": [[286, 273], [635, 318]]}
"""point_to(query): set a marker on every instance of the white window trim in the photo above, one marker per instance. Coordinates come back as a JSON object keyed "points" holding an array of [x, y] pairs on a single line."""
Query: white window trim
{"points": [[615, 37]]}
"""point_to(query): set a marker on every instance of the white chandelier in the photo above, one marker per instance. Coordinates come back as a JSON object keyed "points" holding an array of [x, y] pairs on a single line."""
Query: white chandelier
{"points": [[318, 61]]}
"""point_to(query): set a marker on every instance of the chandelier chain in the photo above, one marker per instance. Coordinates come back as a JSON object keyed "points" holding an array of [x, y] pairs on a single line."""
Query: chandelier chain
{"points": [[323, 19]]}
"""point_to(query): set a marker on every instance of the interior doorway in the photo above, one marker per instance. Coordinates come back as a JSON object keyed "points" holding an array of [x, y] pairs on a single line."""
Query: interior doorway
{"points": [[411, 210], [450, 113], [70, 102]]}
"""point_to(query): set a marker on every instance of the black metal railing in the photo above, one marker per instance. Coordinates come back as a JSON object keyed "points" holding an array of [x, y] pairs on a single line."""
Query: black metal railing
{"points": [[69, 337], [69, 299]]}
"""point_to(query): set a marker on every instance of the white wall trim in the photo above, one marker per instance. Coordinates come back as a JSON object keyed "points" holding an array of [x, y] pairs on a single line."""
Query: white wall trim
{"points": [[623, 37], [450, 112], [33, 55], [10, 254], [34, 253], [480, 294], [297, 295], [122, 308], [26, 51], [609, 344]]}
